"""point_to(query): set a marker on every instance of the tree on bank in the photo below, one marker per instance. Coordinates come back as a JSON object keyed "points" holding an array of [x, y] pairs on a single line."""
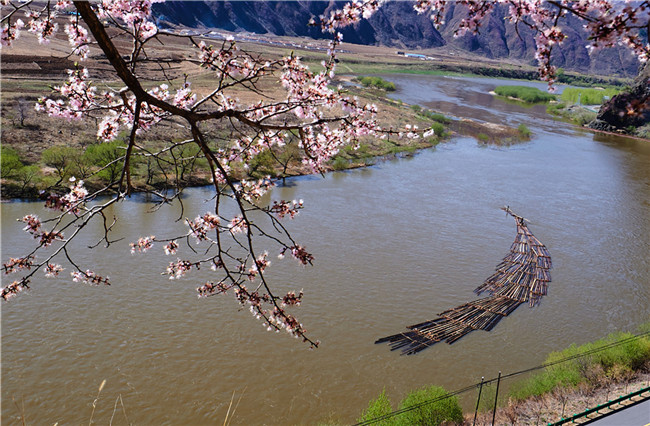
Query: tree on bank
{"points": [[311, 114]]}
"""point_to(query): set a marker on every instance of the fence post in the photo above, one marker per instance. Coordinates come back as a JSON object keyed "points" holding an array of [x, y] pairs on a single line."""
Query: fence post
{"points": [[496, 396], [478, 400]]}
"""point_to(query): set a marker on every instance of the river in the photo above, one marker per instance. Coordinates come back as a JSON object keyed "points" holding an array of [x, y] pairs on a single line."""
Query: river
{"points": [[394, 245]]}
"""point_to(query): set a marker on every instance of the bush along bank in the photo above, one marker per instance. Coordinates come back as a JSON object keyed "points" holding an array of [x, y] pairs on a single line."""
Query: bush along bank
{"points": [[416, 409]]}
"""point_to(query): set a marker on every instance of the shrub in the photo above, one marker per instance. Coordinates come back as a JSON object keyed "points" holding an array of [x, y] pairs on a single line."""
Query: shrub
{"points": [[378, 83], [445, 408], [524, 93], [524, 130], [438, 129], [340, 163], [28, 176], [101, 155], [482, 137], [377, 408], [438, 117], [435, 116], [643, 132], [555, 108], [9, 162], [583, 117], [438, 407], [62, 159]]}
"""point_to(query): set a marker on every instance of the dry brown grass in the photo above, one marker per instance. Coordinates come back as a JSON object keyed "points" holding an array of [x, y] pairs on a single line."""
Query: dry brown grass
{"points": [[563, 402]]}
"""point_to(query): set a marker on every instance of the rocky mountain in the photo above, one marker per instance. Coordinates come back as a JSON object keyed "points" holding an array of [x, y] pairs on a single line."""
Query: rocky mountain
{"points": [[629, 109], [501, 39], [396, 24]]}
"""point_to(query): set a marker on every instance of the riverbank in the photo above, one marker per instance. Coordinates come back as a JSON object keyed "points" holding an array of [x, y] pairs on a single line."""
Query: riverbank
{"points": [[571, 381], [48, 151], [41, 153]]}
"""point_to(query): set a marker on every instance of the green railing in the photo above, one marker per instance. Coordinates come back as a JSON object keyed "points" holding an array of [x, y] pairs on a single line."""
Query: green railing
{"points": [[608, 404]]}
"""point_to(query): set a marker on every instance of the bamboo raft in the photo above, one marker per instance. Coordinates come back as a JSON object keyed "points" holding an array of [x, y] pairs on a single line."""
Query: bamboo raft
{"points": [[521, 277]]}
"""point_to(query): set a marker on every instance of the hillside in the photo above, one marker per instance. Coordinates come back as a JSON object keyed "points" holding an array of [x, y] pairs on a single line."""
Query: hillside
{"points": [[397, 25]]}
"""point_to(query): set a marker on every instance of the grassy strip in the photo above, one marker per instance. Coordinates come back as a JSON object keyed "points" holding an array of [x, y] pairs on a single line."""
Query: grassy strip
{"points": [[431, 115], [587, 96], [524, 93], [377, 82], [617, 363]]}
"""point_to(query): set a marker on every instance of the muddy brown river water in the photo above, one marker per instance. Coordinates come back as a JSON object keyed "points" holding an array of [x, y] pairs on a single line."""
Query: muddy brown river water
{"points": [[394, 245]]}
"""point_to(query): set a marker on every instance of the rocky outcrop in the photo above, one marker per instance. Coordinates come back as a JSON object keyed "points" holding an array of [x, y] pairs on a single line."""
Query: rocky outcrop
{"points": [[627, 109]]}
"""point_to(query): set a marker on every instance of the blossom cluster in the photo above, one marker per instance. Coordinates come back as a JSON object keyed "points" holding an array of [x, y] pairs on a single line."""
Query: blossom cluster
{"points": [[351, 14], [238, 225], [142, 245], [10, 32], [276, 318], [52, 270], [71, 203], [253, 190], [46, 238], [78, 38], [18, 263], [200, 226], [261, 263], [13, 289], [134, 13], [178, 269], [33, 224], [171, 247], [292, 299], [210, 288], [299, 253], [227, 61], [89, 277], [78, 91], [43, 26], [283, 208]]}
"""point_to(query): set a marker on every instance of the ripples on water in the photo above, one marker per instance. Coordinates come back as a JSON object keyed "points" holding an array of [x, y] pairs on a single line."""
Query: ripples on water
{"points": [[394, 245]]}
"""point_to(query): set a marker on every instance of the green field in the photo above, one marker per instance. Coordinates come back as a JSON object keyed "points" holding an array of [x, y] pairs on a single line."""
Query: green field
{"points": [[587, 96]]}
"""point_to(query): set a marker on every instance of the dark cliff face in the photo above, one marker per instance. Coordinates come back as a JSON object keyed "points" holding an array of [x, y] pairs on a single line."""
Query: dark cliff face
{"points": [[396, 24], [627, 109]]}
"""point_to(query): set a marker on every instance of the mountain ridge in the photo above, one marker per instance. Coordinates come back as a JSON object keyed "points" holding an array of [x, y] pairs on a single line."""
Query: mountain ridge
{"points": [[397, 25]]}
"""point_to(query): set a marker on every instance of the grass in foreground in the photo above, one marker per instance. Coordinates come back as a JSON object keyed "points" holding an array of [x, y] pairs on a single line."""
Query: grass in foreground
{"points": [[524, 93]]}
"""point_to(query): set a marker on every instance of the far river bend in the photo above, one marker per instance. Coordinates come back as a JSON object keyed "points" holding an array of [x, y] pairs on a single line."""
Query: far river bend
{"points": [[394, 245]]}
